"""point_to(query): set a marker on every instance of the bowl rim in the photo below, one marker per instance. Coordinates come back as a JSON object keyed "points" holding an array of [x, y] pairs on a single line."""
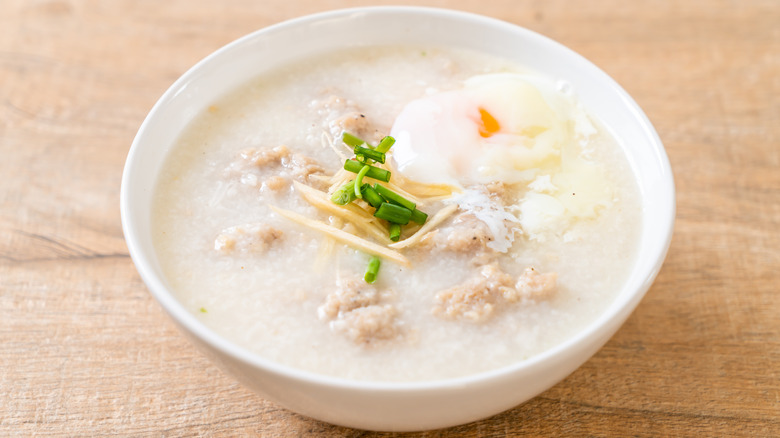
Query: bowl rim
{"points": [[619, 309]]}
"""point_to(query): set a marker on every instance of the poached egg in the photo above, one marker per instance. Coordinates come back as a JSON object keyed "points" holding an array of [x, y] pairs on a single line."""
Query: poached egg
{"points": [[519, 129]]}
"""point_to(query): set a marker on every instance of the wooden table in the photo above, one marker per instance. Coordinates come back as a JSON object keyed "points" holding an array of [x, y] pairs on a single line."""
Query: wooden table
{"points": [[85, 350]]}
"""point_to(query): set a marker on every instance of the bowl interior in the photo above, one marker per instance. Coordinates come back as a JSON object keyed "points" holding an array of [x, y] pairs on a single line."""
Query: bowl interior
{"points": [[269, 48]]}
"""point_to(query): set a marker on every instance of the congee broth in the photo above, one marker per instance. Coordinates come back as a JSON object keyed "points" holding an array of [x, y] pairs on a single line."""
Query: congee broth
{"points": [[533, 215]]}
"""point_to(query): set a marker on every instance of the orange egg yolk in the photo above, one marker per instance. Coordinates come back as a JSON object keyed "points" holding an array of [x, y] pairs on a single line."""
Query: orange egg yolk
{"points": [[489, 124]]}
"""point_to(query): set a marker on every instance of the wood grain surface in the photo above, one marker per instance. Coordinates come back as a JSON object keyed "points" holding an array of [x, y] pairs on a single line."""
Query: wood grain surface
{"points": [[85, 350]]}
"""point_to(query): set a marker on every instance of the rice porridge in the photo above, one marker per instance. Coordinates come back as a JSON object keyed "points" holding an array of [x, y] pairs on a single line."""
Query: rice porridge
{"points": [[533, 215]]}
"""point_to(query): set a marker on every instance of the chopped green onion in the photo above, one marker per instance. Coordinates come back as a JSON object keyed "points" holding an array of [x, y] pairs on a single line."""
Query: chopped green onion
{"points": [[373, 172], [345, 194], [351, 140], [369, 153], [393, 213], [203, 310], [372, 270], [418, 216], [385, 144], [359, 181], [395, 232], [371, 196], [394, 197]]}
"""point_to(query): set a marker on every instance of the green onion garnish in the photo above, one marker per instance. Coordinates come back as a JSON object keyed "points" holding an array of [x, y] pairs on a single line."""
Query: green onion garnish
{"points": [[369, 153], [371, 196], [393, 213], [345, 194], [395, 232], [418, 216], [372, 270], [394, 197], [385, 144], [351, 140], [373, 172], [359, 180]]}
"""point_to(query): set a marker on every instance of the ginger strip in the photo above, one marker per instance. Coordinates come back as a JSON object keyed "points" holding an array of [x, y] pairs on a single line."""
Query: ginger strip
{"points": [[339, 179], [416, 192], [415, 238], [321, 178], [326, 138], [325, 250], [356, 215], [343, 236], [437, 198], [416, 188]]}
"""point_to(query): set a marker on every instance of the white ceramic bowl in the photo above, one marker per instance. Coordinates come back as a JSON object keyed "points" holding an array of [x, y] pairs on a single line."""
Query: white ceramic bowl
{"points": [[398, 406]]}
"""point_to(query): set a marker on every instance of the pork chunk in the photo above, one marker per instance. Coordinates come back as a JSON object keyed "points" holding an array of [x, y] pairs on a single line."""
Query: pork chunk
{"points": [[496, 281], [475, 299], [356, 124], [255, 163], [261, 157], [301, 166], [365, 325], [341, 114], [246, 238], [492, 289], [351, 294], [470, 300], [496, 189], [275, 183], [356, 310], [468, 234], [533, 285]]}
